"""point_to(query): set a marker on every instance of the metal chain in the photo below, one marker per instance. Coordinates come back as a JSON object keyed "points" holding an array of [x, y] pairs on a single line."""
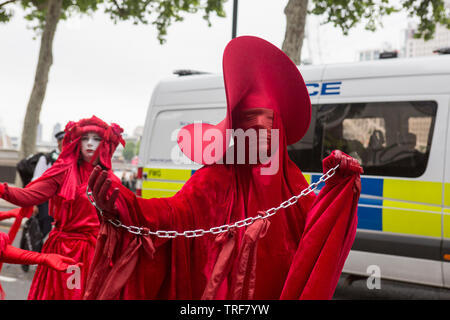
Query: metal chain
{"points": [[223, 228]]}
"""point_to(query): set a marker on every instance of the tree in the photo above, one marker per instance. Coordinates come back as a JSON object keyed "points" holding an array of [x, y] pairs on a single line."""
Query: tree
{"points": [[295, 11], [45, 15], [346, 14], [129, 151]]}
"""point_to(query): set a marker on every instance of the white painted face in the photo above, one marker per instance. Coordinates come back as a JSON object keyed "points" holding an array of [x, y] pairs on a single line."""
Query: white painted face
{"points": [[89, 143]]}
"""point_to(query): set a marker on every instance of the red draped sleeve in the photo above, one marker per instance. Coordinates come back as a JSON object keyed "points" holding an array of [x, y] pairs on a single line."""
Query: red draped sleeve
{"points": [[329, 233], [34, 194]]}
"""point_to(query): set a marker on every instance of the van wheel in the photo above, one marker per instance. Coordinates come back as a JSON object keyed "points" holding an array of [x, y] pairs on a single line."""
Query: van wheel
{"points": [[350, 278]]}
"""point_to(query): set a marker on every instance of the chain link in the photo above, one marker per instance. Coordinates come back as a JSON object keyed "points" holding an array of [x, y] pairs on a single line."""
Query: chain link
{"points": [[221, 229]]}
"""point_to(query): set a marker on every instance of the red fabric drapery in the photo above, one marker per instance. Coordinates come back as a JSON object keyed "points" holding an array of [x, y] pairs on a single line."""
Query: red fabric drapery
{"points": [[299, 255]]}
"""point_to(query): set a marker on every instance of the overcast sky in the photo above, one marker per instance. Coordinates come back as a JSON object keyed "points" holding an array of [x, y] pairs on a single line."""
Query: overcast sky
{"points": [[110, 70]]}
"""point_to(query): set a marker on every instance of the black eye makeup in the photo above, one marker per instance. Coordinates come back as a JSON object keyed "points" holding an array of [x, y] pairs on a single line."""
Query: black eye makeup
{"points": [[96, 138]]}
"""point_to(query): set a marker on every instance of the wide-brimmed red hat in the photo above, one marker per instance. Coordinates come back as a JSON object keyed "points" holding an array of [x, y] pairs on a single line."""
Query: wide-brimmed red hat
{"points": [[256, 75]]}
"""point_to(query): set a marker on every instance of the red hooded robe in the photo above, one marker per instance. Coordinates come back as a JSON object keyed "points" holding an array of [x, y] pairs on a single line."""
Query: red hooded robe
{"points": [[297, 253]]}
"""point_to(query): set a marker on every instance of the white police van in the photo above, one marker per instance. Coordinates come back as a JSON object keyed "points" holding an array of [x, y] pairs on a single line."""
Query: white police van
{"points": [[392, 115]]}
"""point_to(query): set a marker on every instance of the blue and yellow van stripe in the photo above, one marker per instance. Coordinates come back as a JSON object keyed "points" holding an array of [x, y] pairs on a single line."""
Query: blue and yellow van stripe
{"points": [[392, 205], [402, 206]]}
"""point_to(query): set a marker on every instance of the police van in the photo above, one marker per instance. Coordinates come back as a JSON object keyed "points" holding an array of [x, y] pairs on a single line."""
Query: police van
{"points": [[392, 115]]}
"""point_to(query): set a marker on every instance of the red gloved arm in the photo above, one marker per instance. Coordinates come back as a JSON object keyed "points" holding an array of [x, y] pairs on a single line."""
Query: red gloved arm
{"points": [[105, 198], [19, 256], [35, 194], [9, 214]]}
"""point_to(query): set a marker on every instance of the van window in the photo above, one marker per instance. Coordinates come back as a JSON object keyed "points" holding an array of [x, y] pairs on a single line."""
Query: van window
{"points": [[388, 138], [163, 140]]}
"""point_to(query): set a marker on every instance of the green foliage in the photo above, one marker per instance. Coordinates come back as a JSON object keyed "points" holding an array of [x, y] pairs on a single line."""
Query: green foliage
{"points": [[6, 12], [345, 14], [138, 146], [160, 13], [129, 151], [5, 15]]}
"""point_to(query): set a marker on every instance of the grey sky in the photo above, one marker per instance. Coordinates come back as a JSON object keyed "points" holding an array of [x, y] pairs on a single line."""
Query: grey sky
{"points": [[110, 70]]}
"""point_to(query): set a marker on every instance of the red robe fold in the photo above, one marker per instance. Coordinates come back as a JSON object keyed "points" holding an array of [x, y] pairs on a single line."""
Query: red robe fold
{"points": [[299, 254]]}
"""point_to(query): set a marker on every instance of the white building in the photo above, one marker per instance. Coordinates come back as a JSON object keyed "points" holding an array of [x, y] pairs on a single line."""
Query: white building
{"points": [[367, 55], [420, 47], [5, 140], [56, 129], [374, 54]]}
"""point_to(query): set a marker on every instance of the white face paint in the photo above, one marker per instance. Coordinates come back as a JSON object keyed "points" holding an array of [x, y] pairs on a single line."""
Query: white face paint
{"points": [[89, 143]]}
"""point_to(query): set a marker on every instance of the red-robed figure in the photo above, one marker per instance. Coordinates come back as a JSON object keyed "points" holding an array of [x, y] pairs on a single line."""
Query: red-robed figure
{"points": [[86, 143], [225, 241]]}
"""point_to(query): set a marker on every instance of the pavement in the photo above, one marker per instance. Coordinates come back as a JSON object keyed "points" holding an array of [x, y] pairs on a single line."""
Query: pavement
{"points": [[5, 205]]}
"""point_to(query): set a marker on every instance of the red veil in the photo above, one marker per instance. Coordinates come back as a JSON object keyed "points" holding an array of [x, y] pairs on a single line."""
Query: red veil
{"points": [[297, 253]]}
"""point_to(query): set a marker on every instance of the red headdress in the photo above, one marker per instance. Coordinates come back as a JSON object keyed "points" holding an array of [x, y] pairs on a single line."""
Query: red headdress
{"points": [[110, 134], [68, 159]]}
